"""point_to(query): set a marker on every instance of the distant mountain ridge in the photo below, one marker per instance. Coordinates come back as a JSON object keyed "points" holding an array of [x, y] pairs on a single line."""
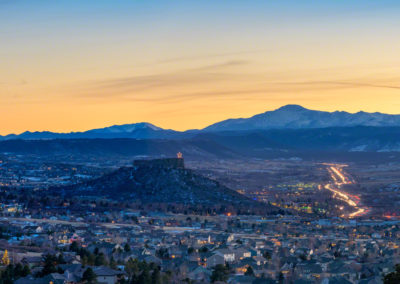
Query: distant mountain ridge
{"points": [[298, 117], [286, 117], [224, 144], [141, 130], [125, 128]]}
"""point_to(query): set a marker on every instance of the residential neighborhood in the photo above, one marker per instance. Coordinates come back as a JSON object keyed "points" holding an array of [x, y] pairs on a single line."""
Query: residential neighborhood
{"points": [[180, 248]]}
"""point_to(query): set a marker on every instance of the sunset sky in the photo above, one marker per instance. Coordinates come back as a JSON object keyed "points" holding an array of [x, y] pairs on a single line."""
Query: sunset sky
{"points": [[76, 65]]}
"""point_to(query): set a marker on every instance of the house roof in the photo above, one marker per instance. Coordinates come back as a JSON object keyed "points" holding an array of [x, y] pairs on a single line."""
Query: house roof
{"points": [[106, 271], [339, 280], [225, 251]]}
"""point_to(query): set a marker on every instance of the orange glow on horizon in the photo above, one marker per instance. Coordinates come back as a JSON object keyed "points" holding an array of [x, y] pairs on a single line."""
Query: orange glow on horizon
{"points": [[96, 65]]}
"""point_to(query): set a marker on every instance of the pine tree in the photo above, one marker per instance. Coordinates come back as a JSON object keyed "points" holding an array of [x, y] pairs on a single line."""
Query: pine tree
{"points": [[127, 247], [155, 276], [249, 271], [113, 263], [89, 276], [5, 260], [50, 262]]}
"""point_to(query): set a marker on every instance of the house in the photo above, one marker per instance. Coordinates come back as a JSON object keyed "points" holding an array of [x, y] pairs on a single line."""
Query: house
{"points": [[227, 254], [58, 278], [241, 279], [371, 280], [30, 280], [200, 274], [55, 278], [303, 281], [34, 229], [340, 268], [309, 269], [264, 281], [107, 275], [152, 258], [215, 260], [242, 266], [32, 261], [72, 272], [338, 280], [242, 253], [71, 257], [76, 238], [260, 260]]}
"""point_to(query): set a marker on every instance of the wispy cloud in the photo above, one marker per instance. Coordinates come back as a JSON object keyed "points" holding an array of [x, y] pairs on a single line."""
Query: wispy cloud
{"points": [[187, 77], [215, 67], [223, 81], [21, 82], [211, 55], [338, 84]]}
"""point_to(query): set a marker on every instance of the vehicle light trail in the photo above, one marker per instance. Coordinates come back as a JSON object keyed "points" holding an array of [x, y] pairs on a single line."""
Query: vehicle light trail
{"points": [[339, 174], [340, 179]]}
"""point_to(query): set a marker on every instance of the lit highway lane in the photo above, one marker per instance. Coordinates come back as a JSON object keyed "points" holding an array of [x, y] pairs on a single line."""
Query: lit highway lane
{"points": [[339, 179]]}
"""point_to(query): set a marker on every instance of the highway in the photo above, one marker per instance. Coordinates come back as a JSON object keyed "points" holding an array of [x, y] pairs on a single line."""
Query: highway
{"points": [[339, 178]]}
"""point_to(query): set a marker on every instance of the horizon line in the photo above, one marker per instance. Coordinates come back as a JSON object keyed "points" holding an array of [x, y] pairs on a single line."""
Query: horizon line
{"points": [[189, 129]]}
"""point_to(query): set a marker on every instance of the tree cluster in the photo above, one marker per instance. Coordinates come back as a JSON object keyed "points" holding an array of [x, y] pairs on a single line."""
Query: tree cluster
{"points": [[13, 272], [393, 277]]}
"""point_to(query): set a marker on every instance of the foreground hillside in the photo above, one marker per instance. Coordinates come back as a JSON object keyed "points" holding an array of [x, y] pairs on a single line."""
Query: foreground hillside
{"points": [[163, 181]]}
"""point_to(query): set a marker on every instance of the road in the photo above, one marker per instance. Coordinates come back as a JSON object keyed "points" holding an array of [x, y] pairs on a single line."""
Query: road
{"points": [[340, 178]]}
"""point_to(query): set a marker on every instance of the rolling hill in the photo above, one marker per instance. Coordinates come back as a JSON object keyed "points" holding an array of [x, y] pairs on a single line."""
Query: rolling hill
{"points": [[161, 181]]}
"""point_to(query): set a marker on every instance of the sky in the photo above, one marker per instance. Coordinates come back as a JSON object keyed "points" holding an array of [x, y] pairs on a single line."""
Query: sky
{"points": [[77, 65]]}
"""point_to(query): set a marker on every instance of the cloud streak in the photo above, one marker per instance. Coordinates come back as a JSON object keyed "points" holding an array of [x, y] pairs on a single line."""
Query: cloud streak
{"points": [[212, 55], [202, 75], [340, 83], [219, 81]]}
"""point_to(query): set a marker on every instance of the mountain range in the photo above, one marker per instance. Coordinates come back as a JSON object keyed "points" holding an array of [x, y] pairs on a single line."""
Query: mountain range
{"points": [[286, 132], [286, 117], [298, 117], [141, 130]]}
